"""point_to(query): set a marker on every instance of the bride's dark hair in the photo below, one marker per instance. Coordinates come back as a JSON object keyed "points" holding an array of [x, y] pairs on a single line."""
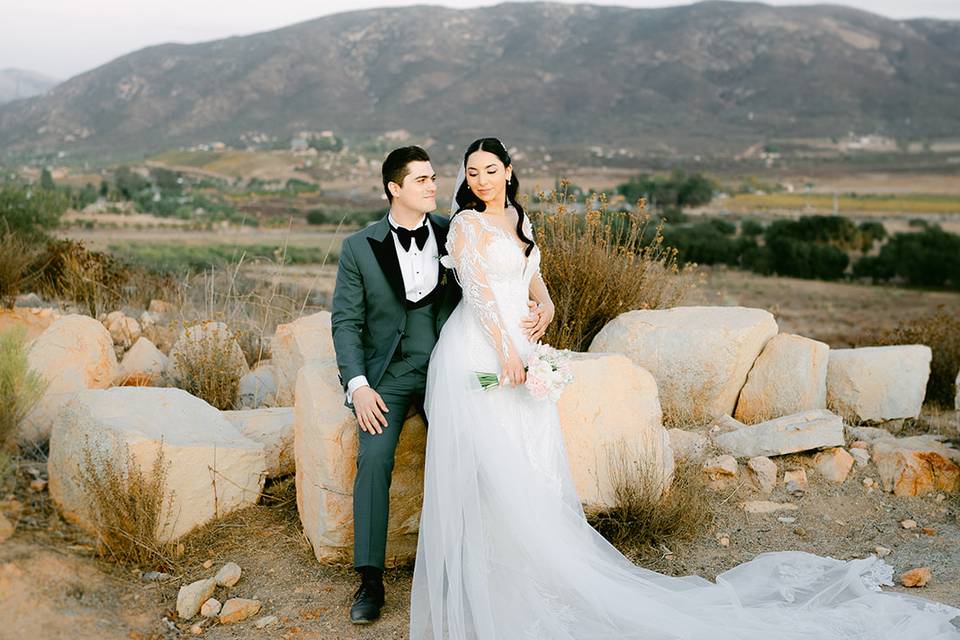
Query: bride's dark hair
{"points": [[466, 199]]}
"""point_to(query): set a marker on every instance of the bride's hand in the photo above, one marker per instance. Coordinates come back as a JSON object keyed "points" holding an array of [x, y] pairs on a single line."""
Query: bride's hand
{"points": [[539, 319], [513, 372]]}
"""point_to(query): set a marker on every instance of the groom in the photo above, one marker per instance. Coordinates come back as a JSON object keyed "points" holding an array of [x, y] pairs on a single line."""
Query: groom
{"points": [[391, 298]]}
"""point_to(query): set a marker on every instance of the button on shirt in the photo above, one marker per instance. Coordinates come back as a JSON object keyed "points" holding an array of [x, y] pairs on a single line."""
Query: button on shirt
{"points": [[420, 270]]}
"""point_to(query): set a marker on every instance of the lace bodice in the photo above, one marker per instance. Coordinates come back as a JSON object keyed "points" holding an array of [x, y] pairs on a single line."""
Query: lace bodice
{"points": [[495, 276]]}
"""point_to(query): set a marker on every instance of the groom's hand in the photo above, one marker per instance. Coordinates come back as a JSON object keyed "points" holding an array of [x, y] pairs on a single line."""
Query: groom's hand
{"points": [[535, 325], [370, 409]]}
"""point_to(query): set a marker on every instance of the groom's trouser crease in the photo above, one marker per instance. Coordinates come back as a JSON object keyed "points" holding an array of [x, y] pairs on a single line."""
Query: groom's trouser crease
{"points": [[375, 459]]}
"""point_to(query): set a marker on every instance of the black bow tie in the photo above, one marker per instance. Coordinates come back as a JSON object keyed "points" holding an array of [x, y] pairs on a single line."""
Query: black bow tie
{"points": [[420, 234]]}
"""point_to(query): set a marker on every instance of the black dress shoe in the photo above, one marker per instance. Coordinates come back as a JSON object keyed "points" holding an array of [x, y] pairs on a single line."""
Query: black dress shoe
{"points": [[367, 602]]}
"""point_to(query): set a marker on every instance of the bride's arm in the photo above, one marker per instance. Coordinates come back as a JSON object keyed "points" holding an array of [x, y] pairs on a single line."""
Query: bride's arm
{"points": [[466, 244], [538, 293]]}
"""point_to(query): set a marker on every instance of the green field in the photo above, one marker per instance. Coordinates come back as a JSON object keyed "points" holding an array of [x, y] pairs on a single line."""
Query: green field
{"points": [[824, 203], [185, 257]]}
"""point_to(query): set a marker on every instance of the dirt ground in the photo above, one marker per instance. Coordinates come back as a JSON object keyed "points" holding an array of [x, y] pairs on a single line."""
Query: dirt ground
{"points": [[53, 587]]}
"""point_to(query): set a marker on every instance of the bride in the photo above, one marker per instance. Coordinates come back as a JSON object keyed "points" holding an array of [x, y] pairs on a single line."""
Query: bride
{"points": [[504, 550]]}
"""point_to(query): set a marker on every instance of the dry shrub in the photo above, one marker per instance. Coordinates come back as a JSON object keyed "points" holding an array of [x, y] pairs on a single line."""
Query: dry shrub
{"points": [[599, 264], [127, 507], [16, 259], [940, 331], [646, 512], [209, 366], [20, 388]]}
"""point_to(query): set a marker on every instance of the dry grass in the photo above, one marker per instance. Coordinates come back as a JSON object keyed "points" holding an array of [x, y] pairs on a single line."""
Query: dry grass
{"points": [[649, 512], [600, 264], [20, 388], [16, 258], [127, 507], [209, 365], [940, 331]]}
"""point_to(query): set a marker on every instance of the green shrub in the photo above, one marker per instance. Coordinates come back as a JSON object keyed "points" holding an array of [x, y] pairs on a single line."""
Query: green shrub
{"points": [[30, 211], [751, 228], [799, 259], [836, 231], [930, 257], [708, 242], [20, 388], [16, 260], [870, 232]]}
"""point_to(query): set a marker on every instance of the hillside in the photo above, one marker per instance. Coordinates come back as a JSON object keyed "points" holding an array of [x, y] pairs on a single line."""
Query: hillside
{"points": [[708, 76], [20, 83]]}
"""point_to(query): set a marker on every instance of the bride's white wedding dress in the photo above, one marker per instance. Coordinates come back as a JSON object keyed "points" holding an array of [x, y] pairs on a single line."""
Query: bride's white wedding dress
{"points": [[505, 552]]}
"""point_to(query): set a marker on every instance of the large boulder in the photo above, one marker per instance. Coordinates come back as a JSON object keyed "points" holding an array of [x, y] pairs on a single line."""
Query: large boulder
{"points": [[143, 365], [73, 354], [201, 339], [211, 468], [259, 387], [123, 329], [610, 418], [34, 320], [805, 431], [272, 427], [699, 356], [325, 450], [916, 466], [874, 384], [296, 343], [789, 376]]}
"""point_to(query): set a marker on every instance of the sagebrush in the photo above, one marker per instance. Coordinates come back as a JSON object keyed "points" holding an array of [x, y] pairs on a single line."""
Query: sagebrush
{"points": [[16, 260], [210, 364], [127, 507], [20, 387], [649, 510], [599, 264]]}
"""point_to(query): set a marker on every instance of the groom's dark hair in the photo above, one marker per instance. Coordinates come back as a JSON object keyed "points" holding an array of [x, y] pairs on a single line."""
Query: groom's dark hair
{"points": [[395, 167]]}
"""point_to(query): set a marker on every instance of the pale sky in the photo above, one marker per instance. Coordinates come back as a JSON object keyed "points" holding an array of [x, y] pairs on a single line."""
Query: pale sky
{"points": [[61, 38]]}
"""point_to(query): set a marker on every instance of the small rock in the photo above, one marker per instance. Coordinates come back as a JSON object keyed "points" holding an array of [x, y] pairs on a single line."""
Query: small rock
{"points": [[720, 467], [795, 482], [723, 541], [860, 444], [869, 483], [38, 485], [763, 471], [860, 457], [208, 564], [155, 576], [881, 551], [834, 464], [940, 497], [237, 609], [767, 506], [193, 595], [928, 531], [196, 630], [800, 531], [210, 608], [786, 519], [908, 524], [918, 577], [228, 575], [688, 445], [6, 528], [266, 621]]}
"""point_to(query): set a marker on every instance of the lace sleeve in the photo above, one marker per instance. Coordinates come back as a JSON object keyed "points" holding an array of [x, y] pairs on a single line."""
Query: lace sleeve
{"points": [[466, 244]]}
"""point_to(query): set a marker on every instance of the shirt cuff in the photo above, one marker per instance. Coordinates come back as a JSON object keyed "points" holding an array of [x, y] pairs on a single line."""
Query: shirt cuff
{"points": [[355, 383]]}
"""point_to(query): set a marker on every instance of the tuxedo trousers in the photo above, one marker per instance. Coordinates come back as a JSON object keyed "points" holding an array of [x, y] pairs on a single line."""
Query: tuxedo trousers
{"points": [[401, 390]]}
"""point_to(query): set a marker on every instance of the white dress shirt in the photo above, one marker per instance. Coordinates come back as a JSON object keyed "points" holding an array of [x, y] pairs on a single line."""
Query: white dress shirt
{"points": [[420, 269]]}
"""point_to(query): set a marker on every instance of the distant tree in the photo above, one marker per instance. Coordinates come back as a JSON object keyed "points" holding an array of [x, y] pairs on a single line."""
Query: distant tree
{"points": [[930, 257], [46, 180], [870, 232], [28, 211], [751, 228], [676, 190], [166, 180], [104, 188], [129, 183]]}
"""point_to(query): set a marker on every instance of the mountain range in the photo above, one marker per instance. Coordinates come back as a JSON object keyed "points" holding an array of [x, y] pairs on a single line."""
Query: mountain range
{"points": [[22, 83], [712, 75]]}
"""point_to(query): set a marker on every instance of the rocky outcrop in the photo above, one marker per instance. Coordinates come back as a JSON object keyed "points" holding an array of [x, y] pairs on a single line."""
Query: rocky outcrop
{"points": [[916, 466], [699, 356], [73, 354], [789, 434], [789, 376], [610, 418], [873, 384], [294, 344], [211, 469], [143, 365], [325, 451], [273, 428]]}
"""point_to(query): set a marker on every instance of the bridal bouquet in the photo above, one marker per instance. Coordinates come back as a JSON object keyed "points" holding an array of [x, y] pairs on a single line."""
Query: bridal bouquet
{"points": [[548, 372]]}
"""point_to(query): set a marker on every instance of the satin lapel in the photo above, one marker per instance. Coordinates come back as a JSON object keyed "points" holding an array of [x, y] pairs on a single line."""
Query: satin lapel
{"points": [[440, 234], [385, 251]]}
